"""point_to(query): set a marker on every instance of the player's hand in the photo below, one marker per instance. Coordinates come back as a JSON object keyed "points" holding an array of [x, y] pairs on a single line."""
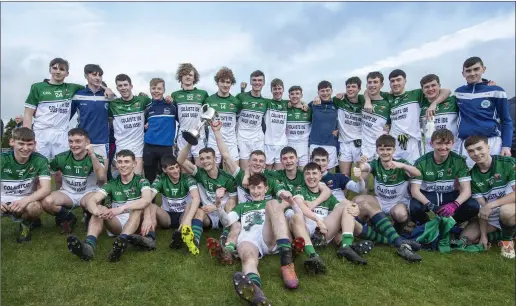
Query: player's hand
{"points": [[142, 94], [169, 99], [316, 101], [484, 242], [448, 209], [19, 206], [484, 212], [353, 209], [363, 159], [304, 107], [89, 150], [209, 209], [335, 133], [108, 93], [430, 112], [146, 126], [287, 196], [491, 83], [216, 125], [386, 129], [147, 226], [4, 208], [368, 106], [219, 193], [322, 227], [245, 181], [340, 95], [505, 151], [395, 165], [243, 85], [357, 172]]}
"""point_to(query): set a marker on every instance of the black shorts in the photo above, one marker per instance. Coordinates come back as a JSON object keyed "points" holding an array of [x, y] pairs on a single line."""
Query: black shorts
{"points": [[175, 218]]}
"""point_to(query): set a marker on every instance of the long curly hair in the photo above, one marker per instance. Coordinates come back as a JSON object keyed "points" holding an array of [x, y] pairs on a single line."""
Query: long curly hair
{"points": [[185, 69], [225, 74]]}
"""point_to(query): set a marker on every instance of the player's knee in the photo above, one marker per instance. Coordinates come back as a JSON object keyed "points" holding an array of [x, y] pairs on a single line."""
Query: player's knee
{"points": [[199, 214], [508, 214], [47, 202], [399, 213], [271, 205], [34, 209]]}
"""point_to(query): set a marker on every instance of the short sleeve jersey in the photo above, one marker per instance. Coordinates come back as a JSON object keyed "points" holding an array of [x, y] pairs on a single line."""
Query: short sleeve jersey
{"points": [[276, 123], [227, 109], [405, 110], [78, 175], [273, 184], [18, 179], [174, 197], [374, 122], [446, 115], [441, 177], [251, 216], [208, 186], [189, 107], [497, 182], [391, 186], [350, 118], [53, 104], [322, 210], [251, 116], [290, 185], [299, 125], [121, 193], [129, 121]]}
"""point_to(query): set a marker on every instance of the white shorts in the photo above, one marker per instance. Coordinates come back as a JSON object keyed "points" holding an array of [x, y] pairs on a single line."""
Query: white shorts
{"points": [[75, 197], [214, 218], [311, 226], [387, 207], [245, 147], [412, 153], [194, 150], [138, 151], [122, 218], [273, 154], [256, 238], [495, 143], [102, 150], [494, 218], [369, 151], [349, 153], [332, 151], [51, 142], [302, 152], [233, 151]]}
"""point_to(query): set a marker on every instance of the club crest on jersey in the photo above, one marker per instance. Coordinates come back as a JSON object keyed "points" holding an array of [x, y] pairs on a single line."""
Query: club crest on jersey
{"points": [[166, 111], [85, 168], [497, 176], [393, 177], [485, 104], [449, 172], [231, 105], [446, 105], [137, 104], [198, 96]]}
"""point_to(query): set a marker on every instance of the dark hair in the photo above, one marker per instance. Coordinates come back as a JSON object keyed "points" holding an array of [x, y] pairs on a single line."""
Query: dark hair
{"points": [[123, 77], [319, 151], [287, 150], [442, 134], [471, 140], [93, 68], [396, 73], [225, 74], [23, 134], [257, 152], [78, 131], [256, 179], [168, 160], [374, 75], [257, 73], [61, 62], [323, 85], [126, 153], [429, 78], [207, 150], [311, 166], [354, 80], [472, 61], [386, 141], [294, 88], [277, 82]]}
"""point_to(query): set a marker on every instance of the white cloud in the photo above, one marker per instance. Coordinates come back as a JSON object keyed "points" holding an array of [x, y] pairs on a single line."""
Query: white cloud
{"points": [[332, 6]]}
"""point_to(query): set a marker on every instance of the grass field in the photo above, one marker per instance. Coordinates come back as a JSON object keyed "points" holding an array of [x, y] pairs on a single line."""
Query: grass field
{"points": [[43, 272]]}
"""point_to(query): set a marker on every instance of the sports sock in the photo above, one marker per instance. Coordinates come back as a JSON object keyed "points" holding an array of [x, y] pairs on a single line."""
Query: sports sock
{"points": [[494, 236], [255, 278], [309, 250], [347, 239], [197, 229], [369, 234], [225, 232], [152, 235], [508, 232], [284, 243], [384, 226], [91, 240], [62, 213], [230, 246], [123, 236]]}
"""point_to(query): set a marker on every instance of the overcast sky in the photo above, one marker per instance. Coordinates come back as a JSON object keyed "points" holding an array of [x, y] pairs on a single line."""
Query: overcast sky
{"points": [[301, 43]]}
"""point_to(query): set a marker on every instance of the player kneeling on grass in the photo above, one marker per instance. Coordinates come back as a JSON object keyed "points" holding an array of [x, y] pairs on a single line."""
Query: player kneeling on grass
{"points": [[493, 186], [324, 222], [130, 195], [179, 201], [20, 169], [264, 231], [81, 169]]}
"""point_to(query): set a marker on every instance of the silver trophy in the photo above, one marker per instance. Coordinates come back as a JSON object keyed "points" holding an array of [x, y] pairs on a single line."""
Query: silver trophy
{"points": [[208, 115]]}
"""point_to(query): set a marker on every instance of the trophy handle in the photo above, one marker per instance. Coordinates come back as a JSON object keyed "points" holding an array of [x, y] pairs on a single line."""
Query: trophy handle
{"points": [[205, 108]]}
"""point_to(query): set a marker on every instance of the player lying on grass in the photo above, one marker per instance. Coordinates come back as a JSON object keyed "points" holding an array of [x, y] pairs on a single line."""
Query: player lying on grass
{"points": [[82, 170], [493, 186], [264, 231], [179, 201], [21, 167], [130, 194]]}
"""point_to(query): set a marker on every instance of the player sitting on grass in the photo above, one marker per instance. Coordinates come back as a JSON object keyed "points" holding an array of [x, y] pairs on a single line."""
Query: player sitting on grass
{"points": [[435, 190], [81, 169], [264, 231], [20, 169], [130, 195], [493, 186]]}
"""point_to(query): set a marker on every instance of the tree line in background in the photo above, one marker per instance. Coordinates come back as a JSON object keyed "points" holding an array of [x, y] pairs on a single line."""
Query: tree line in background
{"points": [[7, 130]]}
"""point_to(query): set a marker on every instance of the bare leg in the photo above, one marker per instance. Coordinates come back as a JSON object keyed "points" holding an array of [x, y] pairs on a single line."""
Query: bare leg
{"points": [[345, 167]]}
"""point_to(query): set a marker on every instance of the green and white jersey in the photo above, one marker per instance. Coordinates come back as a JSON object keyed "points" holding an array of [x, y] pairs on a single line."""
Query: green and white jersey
{"points": [[129, 121], [405, 110], [53, 104], [18, 179], [441, 178], [251, 216], [189, 107], [251, 116], [208, 186], [322, 210], [497, 182], [290, 185], [227, 108], [78, 175], [275, 186], [299, 126], [446, 115], [350, 118], [391, 186], [276, 123], [374, 122], [121, 193], [174, 197]]}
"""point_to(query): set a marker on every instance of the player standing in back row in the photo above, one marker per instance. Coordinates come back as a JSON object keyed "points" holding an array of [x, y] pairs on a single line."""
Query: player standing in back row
{"points": [[276, 125], [299, 125]]}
